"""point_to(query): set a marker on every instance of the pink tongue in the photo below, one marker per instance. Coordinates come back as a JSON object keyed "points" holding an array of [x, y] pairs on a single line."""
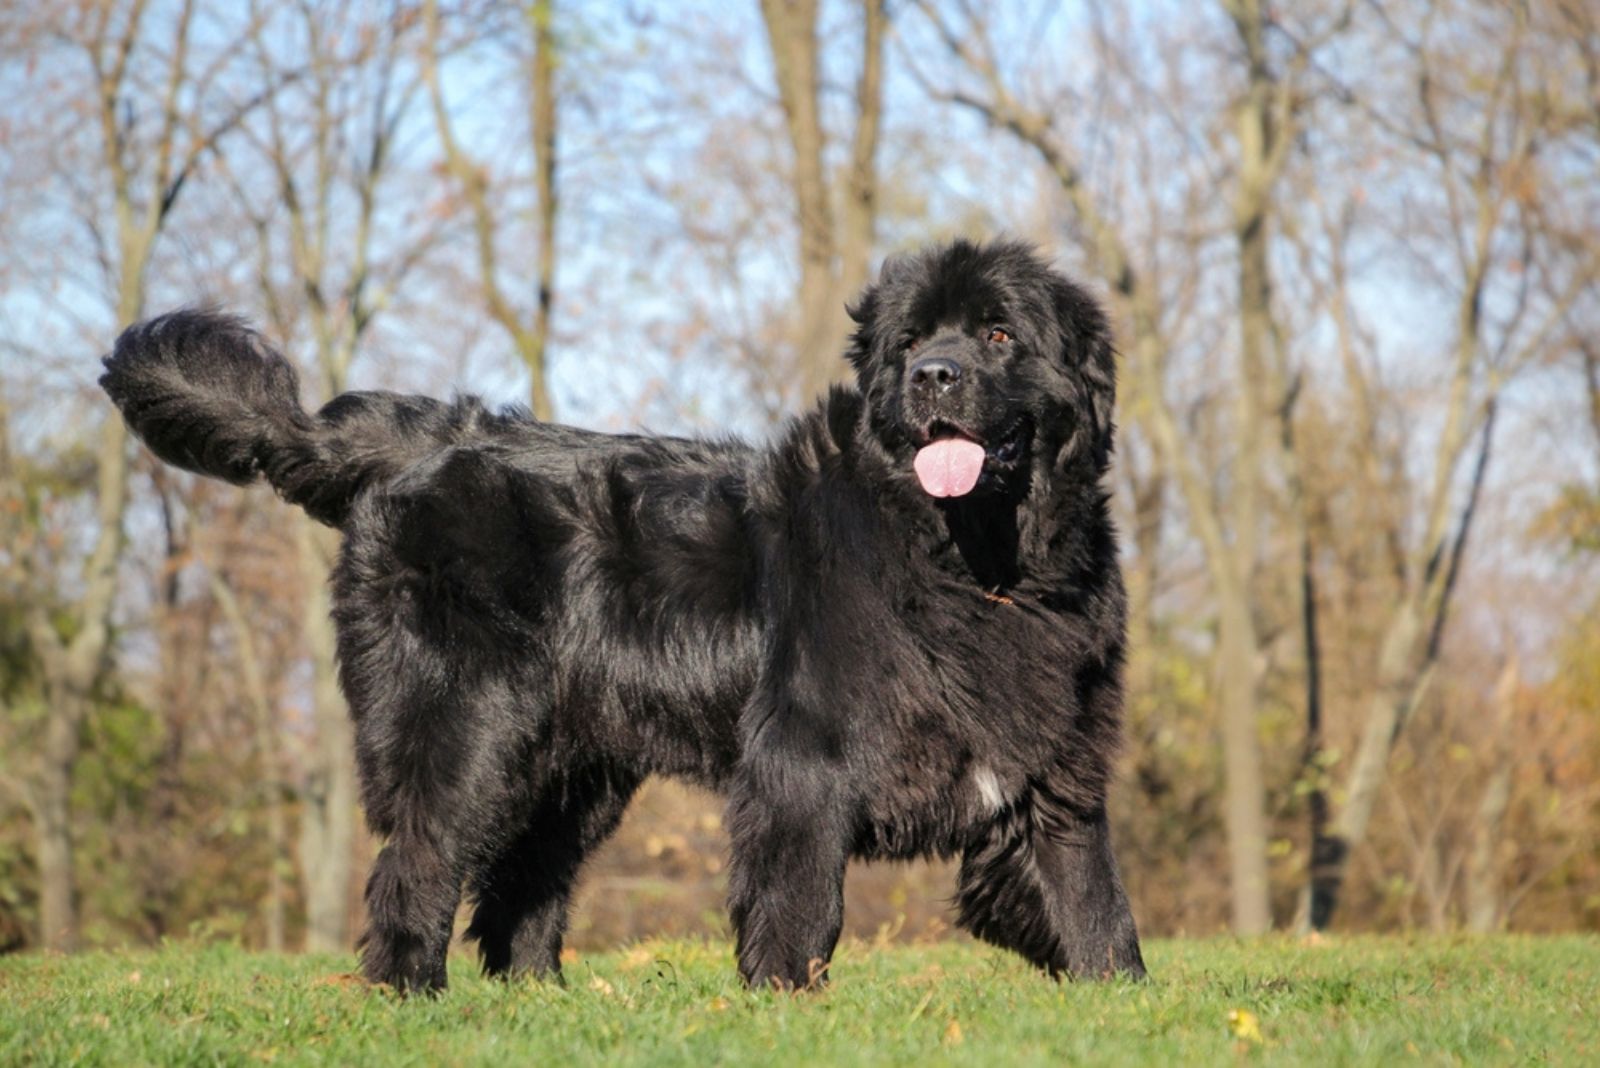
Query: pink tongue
{"points": [[949, 467]]}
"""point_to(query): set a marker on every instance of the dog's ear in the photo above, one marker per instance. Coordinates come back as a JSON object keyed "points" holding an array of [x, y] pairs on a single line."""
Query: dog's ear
{"points": [[1091, 360], [896, 268], [864, 312]]}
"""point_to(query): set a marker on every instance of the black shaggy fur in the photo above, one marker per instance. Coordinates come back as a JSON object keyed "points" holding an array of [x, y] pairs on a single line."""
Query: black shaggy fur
{"points": [[533, 618]]}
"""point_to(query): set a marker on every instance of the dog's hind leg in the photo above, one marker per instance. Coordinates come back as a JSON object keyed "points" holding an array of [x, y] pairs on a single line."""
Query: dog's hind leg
{"points": [[411, 905], [1043, 882], [432, 785], [523, 894]]}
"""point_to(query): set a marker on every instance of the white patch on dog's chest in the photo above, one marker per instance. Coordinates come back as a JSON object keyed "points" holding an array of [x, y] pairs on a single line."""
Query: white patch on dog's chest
{"points": [[987, 784]]}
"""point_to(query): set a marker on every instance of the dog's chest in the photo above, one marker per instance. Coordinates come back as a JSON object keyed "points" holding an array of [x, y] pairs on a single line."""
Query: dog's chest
{"points": [[952, 706]]}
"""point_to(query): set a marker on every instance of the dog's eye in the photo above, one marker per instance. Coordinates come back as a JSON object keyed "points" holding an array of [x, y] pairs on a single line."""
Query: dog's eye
{"points": [[911, 346], [999, 336]]}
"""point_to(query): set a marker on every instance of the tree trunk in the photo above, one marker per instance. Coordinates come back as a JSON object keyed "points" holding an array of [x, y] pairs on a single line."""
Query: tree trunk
{"points": [[71, 671], [328, 809], [1323, 863], [1395, 684], [50, 802], [1245, 815], [1262, 134], [267, 751], [859, 217], [544, 147], [833, 265], [1484, 908], [792, 33], [276, 934]]}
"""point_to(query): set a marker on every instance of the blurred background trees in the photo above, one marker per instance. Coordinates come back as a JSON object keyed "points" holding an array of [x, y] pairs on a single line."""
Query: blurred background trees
{"points": [[1353, 253]]}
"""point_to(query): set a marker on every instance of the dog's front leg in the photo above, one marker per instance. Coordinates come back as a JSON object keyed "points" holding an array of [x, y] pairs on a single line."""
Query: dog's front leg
{"points": [[1043, 881], [790, 841]]}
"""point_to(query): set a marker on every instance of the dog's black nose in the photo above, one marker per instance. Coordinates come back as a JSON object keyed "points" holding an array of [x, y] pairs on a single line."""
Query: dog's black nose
{"points": [[936, 372]]}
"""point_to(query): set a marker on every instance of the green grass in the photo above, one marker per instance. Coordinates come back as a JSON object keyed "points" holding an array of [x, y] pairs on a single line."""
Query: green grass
{"points": [[1361, 1000]]}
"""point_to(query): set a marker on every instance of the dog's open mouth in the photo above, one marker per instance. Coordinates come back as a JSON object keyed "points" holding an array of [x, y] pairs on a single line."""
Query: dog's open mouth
{"points": [[952, 461]]}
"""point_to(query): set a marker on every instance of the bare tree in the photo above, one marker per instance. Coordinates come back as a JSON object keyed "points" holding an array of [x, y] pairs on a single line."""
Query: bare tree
{"points": [[529, 332], [835, 245], [1269, 120], [154, 101], [1475, 126]]}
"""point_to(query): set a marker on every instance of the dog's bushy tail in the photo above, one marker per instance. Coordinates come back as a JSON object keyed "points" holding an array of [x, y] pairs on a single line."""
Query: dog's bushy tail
{"points": [[207, 394]]}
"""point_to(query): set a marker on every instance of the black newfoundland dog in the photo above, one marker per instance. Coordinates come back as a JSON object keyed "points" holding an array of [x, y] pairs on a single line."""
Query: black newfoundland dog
{"points": [[896, 631]]}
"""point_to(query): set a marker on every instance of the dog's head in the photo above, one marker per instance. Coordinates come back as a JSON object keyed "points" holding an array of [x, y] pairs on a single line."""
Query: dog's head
{"points": [[981, 365]]}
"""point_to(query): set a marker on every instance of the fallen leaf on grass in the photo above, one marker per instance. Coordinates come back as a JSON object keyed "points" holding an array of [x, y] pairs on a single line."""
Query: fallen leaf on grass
{"points": [[952, 1033], [1244, 1025], [606, 990]]}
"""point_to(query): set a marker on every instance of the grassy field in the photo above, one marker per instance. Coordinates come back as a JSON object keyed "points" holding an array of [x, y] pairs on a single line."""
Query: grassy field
{"points": [[1369, 1001]]}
